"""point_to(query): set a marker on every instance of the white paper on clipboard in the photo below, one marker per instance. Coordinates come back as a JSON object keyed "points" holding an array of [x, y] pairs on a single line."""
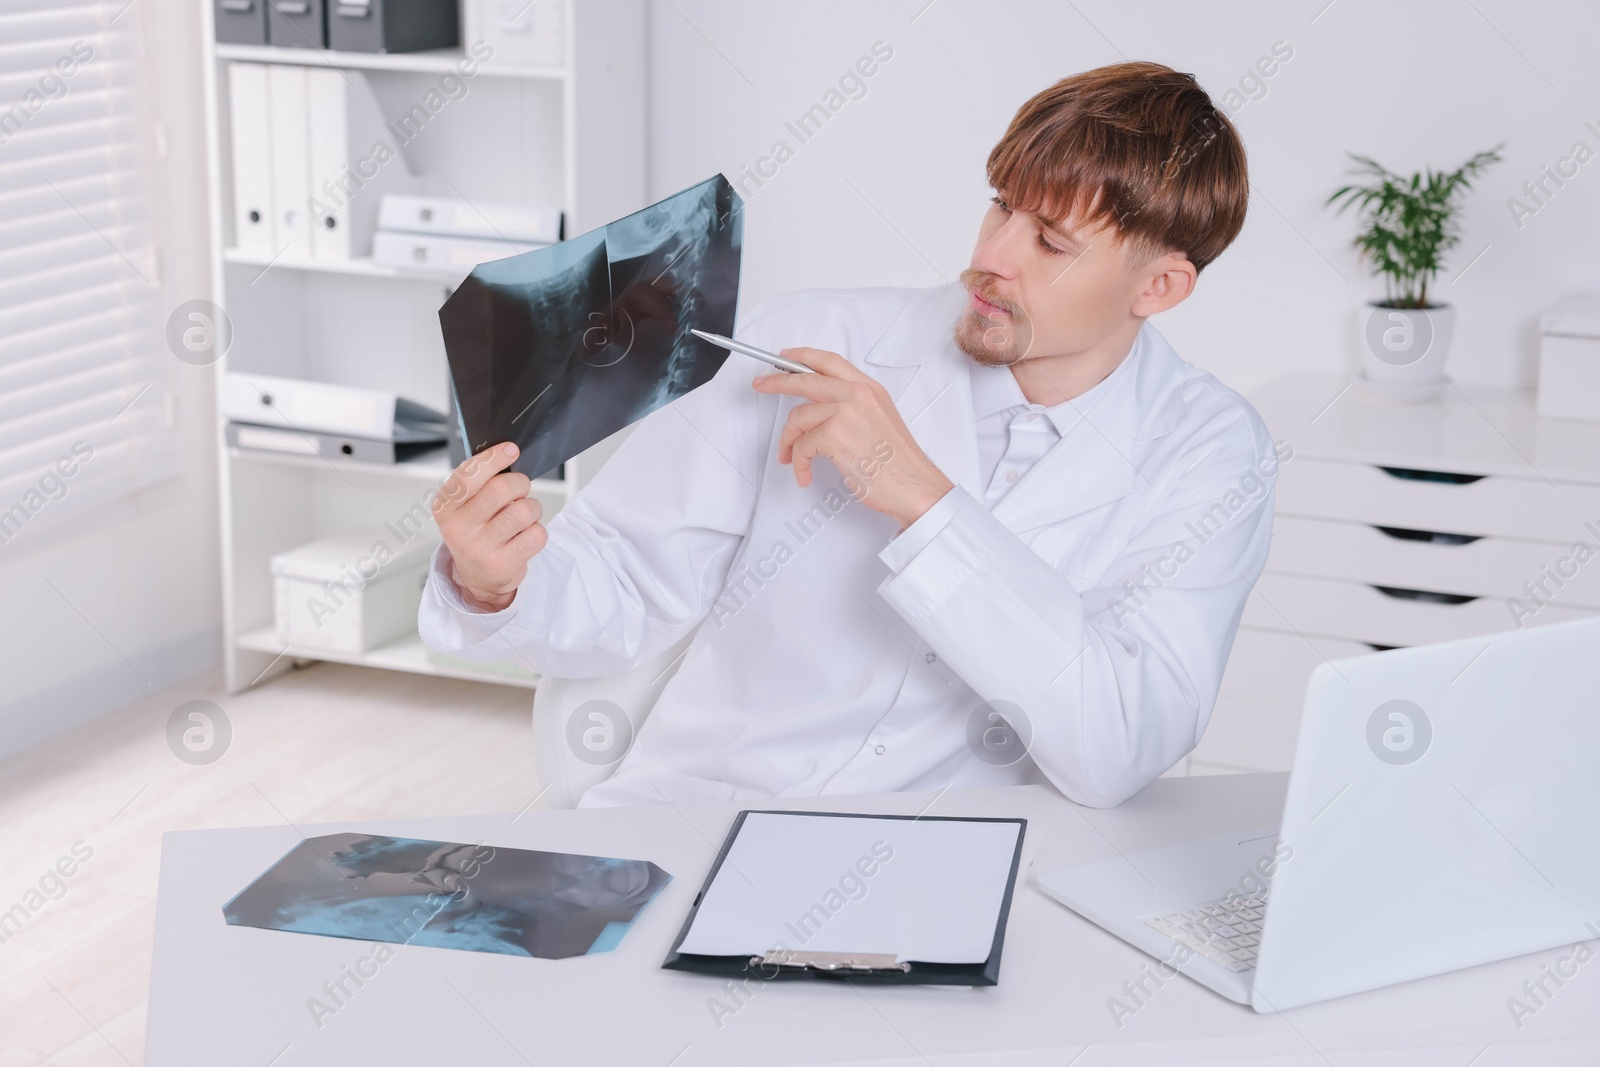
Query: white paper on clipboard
{"points": [[924, 890]]}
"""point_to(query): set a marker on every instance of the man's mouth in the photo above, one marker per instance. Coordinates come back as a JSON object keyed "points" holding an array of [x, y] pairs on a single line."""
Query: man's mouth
{"points": [[985, 308]]}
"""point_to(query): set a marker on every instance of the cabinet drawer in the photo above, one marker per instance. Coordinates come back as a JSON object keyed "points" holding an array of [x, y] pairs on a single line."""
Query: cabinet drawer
{"points": [[1490, 506], [1487, 567], [1275, 665], [1324, 608]]}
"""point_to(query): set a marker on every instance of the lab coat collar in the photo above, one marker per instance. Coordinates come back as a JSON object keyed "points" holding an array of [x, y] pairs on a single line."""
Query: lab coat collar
{"points": [[1093, 464]]}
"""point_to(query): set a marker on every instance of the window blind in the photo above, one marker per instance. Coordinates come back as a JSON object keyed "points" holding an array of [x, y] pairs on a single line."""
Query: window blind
{"points": [[85, 372]]}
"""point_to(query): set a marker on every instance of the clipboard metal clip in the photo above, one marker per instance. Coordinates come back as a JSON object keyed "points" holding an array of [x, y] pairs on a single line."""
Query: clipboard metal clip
{"points": [[831, 961]]}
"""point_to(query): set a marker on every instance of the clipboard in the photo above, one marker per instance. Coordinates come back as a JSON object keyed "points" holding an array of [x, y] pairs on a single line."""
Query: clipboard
{"points": [[871, 962]]}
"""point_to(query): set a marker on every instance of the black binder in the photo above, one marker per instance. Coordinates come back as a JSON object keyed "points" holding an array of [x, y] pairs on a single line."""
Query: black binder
{"points": [[856, 967]]}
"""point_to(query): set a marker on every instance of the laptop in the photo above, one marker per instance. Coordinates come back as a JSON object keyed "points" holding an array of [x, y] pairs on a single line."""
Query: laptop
{"points": [[1443, 811]]}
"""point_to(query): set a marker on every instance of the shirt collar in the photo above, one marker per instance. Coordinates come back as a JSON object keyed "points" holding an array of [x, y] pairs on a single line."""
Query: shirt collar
{"points": [[995, 390]]}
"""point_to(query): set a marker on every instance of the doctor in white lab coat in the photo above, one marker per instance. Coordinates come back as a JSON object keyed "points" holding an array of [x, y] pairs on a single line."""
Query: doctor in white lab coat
{"points": [[1004, 535]]}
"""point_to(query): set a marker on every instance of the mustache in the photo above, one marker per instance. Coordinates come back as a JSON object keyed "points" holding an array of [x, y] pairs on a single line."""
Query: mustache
{"points": [[980, 282]]}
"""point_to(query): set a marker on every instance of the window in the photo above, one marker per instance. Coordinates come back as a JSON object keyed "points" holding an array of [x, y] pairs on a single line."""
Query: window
{"points": [[85, 397]]}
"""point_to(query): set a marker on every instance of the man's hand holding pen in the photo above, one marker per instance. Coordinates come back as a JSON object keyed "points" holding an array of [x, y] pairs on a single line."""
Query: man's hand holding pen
{"points": [[851, 419]]}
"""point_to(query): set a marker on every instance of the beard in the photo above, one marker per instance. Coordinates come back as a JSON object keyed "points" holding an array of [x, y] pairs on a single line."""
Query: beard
{"points": [[998, 340]]}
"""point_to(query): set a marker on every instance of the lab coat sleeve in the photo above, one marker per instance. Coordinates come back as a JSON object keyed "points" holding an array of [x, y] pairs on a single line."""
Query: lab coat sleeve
{"points": [[905, 545], [1111, 686], [637, 557]]}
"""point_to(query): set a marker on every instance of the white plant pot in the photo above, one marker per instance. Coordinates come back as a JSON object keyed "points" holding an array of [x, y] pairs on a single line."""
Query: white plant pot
{"points": [[1403, 349]]}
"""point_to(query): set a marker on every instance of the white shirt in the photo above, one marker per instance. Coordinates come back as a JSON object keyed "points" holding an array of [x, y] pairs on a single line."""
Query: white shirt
{"points": [[1088, 606], [1012, 428], [1013, 433]]}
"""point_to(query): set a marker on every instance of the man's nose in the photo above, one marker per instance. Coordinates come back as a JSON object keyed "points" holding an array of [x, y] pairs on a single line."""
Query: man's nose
{"points": [[1000, 253]]}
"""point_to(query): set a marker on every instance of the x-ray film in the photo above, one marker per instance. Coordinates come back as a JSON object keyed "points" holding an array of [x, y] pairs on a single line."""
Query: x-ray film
{"points": [[411, 892], [558, 348]]}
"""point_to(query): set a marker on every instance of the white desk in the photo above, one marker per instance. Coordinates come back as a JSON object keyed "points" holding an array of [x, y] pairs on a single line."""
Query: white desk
{"points": [[236, 995]]}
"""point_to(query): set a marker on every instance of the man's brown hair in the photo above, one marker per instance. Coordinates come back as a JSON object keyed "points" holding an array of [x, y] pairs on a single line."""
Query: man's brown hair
{"points": [[1139, 146]]}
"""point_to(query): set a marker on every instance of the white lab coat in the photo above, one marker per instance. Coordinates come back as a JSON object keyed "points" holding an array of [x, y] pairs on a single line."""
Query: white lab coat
{"points": [[1100, 597]]}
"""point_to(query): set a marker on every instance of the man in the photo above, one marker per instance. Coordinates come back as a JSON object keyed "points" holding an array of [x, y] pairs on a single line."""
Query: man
{"points": [[1018, 533]]}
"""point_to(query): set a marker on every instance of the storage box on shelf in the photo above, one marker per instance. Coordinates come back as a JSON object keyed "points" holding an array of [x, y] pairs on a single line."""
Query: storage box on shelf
{"points": [[1569, 358], [567, 134], [1403, 524], [354, 592]]}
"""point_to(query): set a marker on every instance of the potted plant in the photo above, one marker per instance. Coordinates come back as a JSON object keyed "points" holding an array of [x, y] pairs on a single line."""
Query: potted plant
{"points": [[1407, 226]]}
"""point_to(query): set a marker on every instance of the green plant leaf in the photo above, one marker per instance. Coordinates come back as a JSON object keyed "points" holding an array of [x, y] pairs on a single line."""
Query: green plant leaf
{"points": [[1408, 223]]}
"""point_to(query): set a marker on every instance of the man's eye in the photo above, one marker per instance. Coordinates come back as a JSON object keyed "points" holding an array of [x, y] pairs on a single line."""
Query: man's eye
{"points": [[1050, 248]]}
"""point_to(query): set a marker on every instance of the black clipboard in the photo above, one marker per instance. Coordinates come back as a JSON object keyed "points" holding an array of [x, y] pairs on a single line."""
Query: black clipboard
{"points": [[880, 971]]}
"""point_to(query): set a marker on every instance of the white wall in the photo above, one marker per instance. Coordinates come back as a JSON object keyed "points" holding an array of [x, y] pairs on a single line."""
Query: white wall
{"points": [[138, 606], [891, 190]]}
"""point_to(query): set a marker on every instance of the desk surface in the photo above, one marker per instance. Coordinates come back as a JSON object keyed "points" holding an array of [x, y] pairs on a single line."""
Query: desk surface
{"points": [[1469, 429], [238, 995]]}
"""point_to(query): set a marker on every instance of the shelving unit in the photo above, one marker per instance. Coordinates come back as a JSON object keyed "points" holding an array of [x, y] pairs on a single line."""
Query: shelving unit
{"points": [[363, 266], [441, 62], [571, 135], [406, 654]]}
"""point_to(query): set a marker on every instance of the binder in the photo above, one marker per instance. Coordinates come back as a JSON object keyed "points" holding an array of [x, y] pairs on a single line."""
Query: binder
{"points": [[523, 33], [337, 447], [393, 25], [348, 179], [251, 122], [295, 404], [442, 215], [453, 256], [296, 24], [938, 919], [291, 170], [241, 21]]}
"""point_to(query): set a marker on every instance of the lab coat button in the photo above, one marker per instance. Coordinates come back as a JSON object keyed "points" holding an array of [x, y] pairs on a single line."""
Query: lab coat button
{"points": [[1012, 475], [931, 656], [879, 750]]}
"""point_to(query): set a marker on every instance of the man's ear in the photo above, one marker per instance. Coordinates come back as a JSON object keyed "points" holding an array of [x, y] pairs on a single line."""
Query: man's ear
{"points": [[1169, 279]]}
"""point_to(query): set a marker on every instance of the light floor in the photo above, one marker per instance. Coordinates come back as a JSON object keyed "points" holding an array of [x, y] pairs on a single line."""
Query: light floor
{"points": [[322, 744]]}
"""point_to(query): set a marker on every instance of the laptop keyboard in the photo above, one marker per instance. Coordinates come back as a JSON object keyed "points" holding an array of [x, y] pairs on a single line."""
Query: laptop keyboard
{"points": [[1226, 931]]}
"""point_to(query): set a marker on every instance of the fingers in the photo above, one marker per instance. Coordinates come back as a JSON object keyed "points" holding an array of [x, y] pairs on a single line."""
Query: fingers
{"points": [[512, 520], [815, 387], [527, 544], [802, 419], [490, 557], [500, 490], [472, 475], [830, 363], [479, 510], [804, 448]]}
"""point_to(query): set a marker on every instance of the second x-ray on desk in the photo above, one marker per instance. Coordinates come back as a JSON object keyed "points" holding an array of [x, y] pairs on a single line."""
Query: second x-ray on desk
{"points": [[874, 898]]}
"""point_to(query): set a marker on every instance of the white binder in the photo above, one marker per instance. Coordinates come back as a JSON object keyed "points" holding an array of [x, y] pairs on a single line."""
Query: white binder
{"points": [[523, 33], [251, 122], [522, 223], [349, 177], [450, 256], [291, 170], [318, 407]]}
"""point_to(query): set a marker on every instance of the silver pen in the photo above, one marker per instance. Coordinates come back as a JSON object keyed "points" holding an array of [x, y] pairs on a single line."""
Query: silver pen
{"points": [[752, 351]]}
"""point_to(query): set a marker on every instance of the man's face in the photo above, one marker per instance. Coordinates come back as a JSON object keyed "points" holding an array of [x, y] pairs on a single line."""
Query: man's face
{"points": [[1036, 290]]}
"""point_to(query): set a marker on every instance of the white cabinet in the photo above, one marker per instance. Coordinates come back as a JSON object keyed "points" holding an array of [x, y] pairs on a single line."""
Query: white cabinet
{"points": [[568, 133], [1403, 524]]}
